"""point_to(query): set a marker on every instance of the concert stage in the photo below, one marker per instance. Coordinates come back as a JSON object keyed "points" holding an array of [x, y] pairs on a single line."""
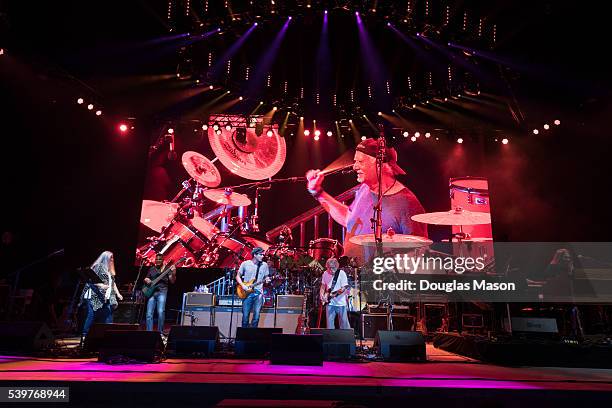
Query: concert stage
{"points": [[446, 378]]}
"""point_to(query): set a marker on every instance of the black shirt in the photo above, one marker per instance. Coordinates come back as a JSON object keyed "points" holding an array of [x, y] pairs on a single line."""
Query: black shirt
{"points": [[153, 273]]}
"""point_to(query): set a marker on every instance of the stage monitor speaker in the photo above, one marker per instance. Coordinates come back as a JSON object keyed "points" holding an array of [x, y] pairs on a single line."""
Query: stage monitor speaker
{"points": [[25, 336], [138, 345], [289, 301], [401, 345], [297, 349], [195, 299], [403, 322], [254, 341], [128, 312], [97, 331], [224, 316], [372, 323], [200, 316], [192, 339], [337, 343], [287, 319]]}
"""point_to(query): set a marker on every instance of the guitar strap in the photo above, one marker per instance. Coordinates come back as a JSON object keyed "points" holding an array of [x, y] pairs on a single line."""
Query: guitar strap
{"points": [[333, 285], [257, 273]]}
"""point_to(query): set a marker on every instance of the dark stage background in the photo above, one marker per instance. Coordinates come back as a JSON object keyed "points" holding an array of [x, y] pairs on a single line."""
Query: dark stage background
{"points": [[71, 181]]}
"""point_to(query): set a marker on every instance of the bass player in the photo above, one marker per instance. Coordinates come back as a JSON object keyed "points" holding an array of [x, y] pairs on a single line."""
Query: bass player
{"points": [[158, 299]]}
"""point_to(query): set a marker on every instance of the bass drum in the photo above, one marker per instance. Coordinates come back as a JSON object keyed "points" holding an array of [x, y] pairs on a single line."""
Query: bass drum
{"points": [[230, 252], [324, 248]]}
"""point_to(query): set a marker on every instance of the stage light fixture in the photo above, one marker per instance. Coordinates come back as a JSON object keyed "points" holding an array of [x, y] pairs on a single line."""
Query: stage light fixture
{"points": [[505, 141], [460, 140], [274, 108], [228, 127], [261, 102], [205, 127], [301, 118], [546, 126], [90, 106], [557, 122], [413, 138], [80, 101], [123, 127], [210, 87], [317, 132], [270, 133], [218, 131], [417, 134], [215, 126], [329, 133], [316, 138], [350, 120], [413, 105], [427, 134], [363, 138], [405, 134], [240, 98], [536, 131], [1, 51], [379, 113], [170, 130], [98, 112], [306, 132]]}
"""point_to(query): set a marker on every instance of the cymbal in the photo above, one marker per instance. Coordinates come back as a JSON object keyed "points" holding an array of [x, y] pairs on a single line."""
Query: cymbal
{"points": [[392, 241], [458, 216], [250, 156], [227, 197], [156, 215], [201, 169]]}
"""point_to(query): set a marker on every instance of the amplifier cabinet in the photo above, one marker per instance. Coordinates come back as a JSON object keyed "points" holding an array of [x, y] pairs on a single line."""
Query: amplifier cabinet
{"points": [[198, 299], [372, 323], [289, 301], [200, 316]]}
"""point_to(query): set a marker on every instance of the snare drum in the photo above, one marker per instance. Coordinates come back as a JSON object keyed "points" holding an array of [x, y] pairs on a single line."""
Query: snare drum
{"points": [[325, 248]]}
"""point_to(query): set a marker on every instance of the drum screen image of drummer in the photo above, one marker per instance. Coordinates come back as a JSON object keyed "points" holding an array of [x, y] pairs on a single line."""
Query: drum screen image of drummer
{"points": [[201, 222]]}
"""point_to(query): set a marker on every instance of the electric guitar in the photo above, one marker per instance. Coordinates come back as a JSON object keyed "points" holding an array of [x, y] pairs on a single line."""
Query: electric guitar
{"points": [[329, 295], [243, 294], [149, 290]]}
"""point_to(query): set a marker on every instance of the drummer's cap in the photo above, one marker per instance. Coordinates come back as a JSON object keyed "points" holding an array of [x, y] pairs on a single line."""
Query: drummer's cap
{"points": [[370, 147], [257, 250]]}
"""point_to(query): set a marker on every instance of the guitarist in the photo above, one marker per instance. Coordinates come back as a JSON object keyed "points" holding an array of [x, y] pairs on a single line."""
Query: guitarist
{"points": [[334, 292], [256, 271], [158, 299]]}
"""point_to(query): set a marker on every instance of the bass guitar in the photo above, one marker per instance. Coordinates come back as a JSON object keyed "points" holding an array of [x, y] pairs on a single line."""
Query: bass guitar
{"points": [[149, 290]]}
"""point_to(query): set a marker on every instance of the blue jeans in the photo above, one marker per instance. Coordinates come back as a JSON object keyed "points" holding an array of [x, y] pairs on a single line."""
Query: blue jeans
{"points": [[332, 311], [253, 302], [159, 298], [102, 315]]}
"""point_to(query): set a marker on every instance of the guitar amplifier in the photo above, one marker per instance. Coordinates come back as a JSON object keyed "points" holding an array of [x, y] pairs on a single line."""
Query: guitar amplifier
{"points": [[226, 300], [372, 323], [289, 301], [199, 316], [198, 299]]}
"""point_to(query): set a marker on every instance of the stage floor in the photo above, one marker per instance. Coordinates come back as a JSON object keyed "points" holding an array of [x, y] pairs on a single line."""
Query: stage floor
{"points": [[445, 372]]}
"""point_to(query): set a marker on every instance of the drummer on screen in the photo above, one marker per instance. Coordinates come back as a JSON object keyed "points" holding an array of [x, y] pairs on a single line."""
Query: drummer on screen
{"points": [[398, 203]]}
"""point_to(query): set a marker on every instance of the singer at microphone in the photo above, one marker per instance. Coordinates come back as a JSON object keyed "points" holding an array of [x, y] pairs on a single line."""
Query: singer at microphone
{"points": [[398, 203]]}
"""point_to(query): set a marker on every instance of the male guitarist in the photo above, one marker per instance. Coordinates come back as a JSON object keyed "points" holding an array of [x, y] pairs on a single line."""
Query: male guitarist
{"points": [[161, 291], [334, 291], [256, 272]]}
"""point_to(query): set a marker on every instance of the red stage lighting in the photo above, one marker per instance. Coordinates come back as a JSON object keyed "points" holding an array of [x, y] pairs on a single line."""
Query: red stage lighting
{"points": [[170, 130], [123, 127], [427, 134], [98, 112], [329, 133], [316, 138], [269, 133], [557, 122], [90, 106], [317, 132], [505, 141], [536, 131], [460, 140], [307, 132], [405, 134], [413, 138], [546, 126], [80, 101], [417, 134]]}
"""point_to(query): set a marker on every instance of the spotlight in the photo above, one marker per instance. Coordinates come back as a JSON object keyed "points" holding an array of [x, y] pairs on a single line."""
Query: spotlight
{"points": [[505, 141], [379, 113], [228, 127], [301, 118], [255, 24], [316, 138], [388, 24], [557, 122], [363, 138], [325, 11], [215, 126], [80, 101], [170, 130], [427, 134], [270, 133], [356, 13], [98, 112], [90, 106], [536, 131], [218, 131], [413, 138], [227, 92], [274, 108], [413, 105], [290, 17], [205, 127], [460, 140], [240, 98], [405, 134], [317, 132], [261, 103], [546, 126], [1, 51], [197, 81], [329, 133], [123, 127], [210, 87], [417, 134], [307, 132], [350, 120]]}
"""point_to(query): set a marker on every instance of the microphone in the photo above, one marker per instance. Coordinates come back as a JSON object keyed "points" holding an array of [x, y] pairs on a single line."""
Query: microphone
{"points": [[171, 152], [349, 171]]}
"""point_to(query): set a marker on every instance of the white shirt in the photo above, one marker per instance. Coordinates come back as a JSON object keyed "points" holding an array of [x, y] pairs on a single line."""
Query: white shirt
{"points": [[327, 280]]}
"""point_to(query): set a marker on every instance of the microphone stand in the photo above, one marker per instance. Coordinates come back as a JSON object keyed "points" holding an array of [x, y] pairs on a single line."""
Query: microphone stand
{"points": [[377, 219]]}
